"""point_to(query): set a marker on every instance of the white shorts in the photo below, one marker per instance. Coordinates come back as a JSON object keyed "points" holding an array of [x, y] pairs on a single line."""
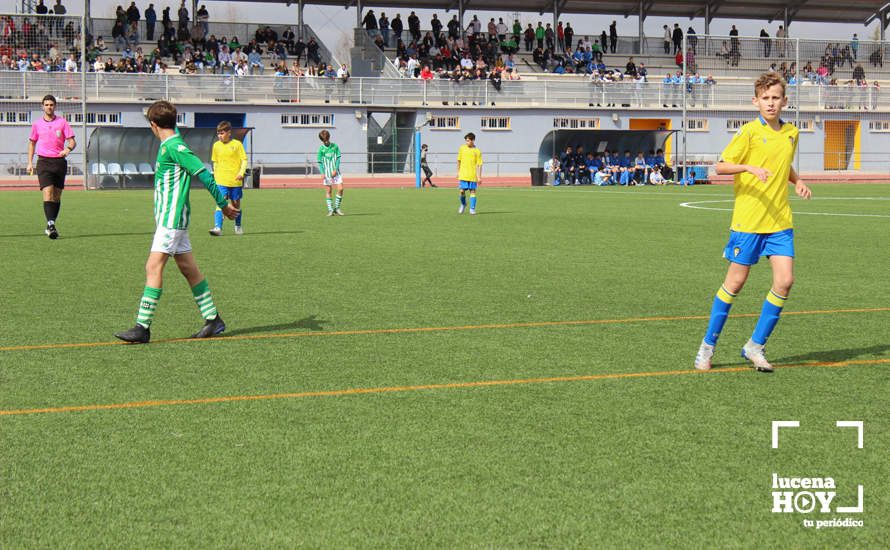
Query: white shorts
{"points": [[171, 241], [336, 180]]}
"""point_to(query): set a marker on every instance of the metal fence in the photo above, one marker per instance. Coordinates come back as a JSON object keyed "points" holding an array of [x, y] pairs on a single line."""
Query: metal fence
{"points": [[569, 93]]}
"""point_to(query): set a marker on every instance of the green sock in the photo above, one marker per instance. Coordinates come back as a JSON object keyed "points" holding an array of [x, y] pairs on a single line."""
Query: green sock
{"points": [[330, 205], [147, 306], [338, 201], [201, 292]]}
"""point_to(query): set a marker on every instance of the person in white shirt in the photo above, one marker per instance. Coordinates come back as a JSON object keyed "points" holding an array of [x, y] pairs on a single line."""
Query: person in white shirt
{"points": [[70, 64], [411, 68], [655, 177]]}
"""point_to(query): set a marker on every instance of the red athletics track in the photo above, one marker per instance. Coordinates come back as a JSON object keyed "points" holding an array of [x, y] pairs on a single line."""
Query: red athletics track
{"points": [[29, 183], [302, 182]]}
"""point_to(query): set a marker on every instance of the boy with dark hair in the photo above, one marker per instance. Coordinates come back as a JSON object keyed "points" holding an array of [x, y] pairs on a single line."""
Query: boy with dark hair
{"points": [[52, 138], [760, 156], [175, 166], [229, 165], [329, 164], [469, 172]]}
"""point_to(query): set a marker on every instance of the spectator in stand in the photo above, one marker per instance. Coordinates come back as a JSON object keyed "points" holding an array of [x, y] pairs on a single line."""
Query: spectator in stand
{"points": [[765, 42], [529, 37], [734, 43], [71, 64], [299, 48], [150, 19], [631, 67], [568, 35], [668, 38], [383, 24], [133, 14], [426, 73], [396, 27], [692, 39], [854, 46], [202, 17], [604, 42], [40, 8], [454, 28], [370, 23], [859, 74], [255, 62], [59, 9], [549, 38], [877, 58], [183, 14], [167, 23], [781, 35], [501, 30], [133, 34], [436, 25], [414, 26], [677, 38], [539, 35], [312, 51], [118, 33]]}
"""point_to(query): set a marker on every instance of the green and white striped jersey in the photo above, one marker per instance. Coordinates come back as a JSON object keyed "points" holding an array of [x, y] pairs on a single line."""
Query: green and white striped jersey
{"points": [[174, 168], [329, 159]]}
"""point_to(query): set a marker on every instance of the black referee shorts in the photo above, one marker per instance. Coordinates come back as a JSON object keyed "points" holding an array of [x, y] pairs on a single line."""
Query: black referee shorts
{"points": [[52, 171]]}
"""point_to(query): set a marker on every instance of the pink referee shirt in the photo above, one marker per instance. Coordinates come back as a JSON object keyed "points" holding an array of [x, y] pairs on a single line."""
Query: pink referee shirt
{"points": [[50, 136]]}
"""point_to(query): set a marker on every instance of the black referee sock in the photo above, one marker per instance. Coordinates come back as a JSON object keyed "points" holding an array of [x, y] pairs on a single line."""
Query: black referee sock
{"points": [[56, 207], [48, 208]]}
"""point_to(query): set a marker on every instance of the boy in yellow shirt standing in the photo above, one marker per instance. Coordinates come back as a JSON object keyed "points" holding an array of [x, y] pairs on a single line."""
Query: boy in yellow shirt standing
{"points": [[469, 172], [760, 156], [229, 166]]}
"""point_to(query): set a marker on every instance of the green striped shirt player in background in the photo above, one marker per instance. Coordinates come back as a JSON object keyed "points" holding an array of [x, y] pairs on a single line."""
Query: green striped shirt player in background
{"points": [[174, 169], [329, 164]]}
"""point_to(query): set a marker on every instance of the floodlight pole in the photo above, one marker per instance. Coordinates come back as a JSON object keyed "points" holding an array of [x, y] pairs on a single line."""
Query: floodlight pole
{"points": [[300, 19], [683, 97], [83, 88]]}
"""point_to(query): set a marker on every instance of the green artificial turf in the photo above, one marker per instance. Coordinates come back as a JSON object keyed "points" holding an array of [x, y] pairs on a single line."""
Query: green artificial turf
{"points": [[669, 458]]}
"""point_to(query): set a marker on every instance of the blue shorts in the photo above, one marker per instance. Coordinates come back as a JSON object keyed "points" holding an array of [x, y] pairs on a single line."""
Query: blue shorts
{"points": [[748, 248], [467, 185], [231, 193]]}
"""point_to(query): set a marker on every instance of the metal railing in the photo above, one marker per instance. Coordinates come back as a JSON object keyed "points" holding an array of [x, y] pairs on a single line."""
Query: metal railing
{"points": [[372, 53], [575, 93]]}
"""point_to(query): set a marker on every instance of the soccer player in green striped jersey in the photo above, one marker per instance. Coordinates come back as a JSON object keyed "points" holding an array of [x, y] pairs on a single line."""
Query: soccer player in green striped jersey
{"points": [[329, 164], [174, 169]]}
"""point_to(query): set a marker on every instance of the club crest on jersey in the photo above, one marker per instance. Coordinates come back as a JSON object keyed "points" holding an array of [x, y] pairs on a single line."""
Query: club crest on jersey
{"points": [[58, 133], [163, 150], [735, 251], [180, 148]]}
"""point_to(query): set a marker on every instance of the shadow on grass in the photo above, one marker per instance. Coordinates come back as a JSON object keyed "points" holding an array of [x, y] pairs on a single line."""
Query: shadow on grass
{"points": [[826, 356], [311, 324], [490, 213], [66, 237], [253, 233]]}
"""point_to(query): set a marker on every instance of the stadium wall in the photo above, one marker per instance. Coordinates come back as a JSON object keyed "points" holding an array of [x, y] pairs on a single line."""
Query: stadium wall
{"points": [[513, 149]]}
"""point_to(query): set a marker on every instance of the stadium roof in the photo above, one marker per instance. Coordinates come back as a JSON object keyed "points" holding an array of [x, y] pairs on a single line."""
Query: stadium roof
{"points": [[826, 11]]}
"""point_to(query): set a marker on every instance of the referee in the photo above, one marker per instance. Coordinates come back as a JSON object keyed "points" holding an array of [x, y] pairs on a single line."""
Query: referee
{"points": [[53, 139]]}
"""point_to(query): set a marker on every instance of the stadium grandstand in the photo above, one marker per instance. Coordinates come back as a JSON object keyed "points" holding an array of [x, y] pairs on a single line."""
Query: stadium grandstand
{"points": [[527, 83]]}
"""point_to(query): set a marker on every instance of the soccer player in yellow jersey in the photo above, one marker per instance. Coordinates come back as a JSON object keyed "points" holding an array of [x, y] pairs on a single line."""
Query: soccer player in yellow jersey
{"points": [[469, 172], [229, 165], [760, 157]]}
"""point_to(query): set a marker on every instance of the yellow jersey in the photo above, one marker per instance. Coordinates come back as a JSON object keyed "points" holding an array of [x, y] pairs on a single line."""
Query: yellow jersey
{"points": [[468, 158], [762, 207], [229, 160]]}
